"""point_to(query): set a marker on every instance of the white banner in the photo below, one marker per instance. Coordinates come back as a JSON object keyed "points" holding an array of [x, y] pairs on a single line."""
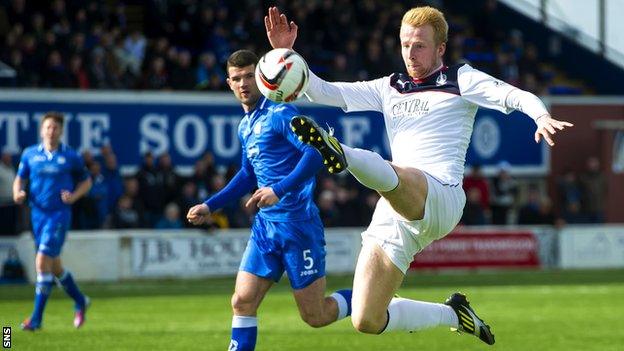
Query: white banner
{"points": [[186, 255], [591, 247]]}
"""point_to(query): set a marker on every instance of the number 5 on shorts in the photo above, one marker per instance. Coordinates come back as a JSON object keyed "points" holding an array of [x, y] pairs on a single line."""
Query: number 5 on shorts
{"points": [[309, 260]]}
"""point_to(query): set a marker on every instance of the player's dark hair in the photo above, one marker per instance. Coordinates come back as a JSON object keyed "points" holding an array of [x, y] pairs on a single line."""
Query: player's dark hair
{"points": [[55, 116], [241, 58]]}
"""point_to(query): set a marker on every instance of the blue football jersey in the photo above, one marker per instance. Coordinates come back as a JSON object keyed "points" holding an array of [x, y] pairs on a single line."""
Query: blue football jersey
{"points": [[49, 173], [273, 151]]}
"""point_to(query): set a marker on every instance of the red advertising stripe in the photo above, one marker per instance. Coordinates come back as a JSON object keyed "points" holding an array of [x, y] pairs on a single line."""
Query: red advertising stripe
{"points": [[480, 250]]}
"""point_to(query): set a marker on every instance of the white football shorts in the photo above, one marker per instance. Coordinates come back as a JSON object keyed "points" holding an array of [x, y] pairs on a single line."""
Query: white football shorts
{"points": [[402, 239]]}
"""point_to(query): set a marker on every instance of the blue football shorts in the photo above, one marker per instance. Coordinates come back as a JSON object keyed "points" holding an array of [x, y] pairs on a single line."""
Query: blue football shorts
{"points": [[49, 230], [297, 247]]}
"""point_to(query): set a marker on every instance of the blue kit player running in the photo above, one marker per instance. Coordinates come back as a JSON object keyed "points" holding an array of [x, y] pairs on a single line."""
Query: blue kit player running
{"points": [[50, 170], [287, 233]]}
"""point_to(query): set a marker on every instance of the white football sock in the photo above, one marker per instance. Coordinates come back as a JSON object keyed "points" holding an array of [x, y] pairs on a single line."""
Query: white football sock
{"points": [[343, 307], [411, 315], [370, 169]]}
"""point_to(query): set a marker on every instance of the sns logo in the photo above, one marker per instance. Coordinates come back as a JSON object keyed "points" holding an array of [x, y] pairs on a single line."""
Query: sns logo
{"points": [[6, 337], [233, 345]]}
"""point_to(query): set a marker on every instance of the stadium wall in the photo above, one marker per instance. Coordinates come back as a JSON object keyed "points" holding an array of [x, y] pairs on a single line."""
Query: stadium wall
{"points": [[148, 254]]}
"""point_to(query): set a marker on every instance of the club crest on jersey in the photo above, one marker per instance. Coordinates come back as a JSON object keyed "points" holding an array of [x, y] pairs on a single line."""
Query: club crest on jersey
{"points": [[61, 160], [441, 79], [257, 128]]}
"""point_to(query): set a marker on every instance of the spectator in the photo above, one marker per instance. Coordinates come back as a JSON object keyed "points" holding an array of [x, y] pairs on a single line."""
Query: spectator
{"points": [[112, 177], [594, 186], [182, 75], [171, 218], [537, 209], [56, 74], [570, 197], [326, 203], [78, 75], [8, 209], [127, 214], [187, 199], [476, 180], [99, 74], [348, 207], [170, 180], [157, 77], [209, 74], [370, 202], [151, 184], [474, 214], [505, 189], [92, 209]]}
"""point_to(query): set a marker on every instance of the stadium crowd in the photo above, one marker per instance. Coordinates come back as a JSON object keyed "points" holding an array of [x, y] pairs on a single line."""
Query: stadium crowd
{"points": [[183, 44]]}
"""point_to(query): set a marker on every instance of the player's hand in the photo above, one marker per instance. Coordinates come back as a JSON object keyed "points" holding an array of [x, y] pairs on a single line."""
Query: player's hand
{"points": [[263, 197], [19, 197], [280, 32], [547, 127], [198, 214], [67, 197]]}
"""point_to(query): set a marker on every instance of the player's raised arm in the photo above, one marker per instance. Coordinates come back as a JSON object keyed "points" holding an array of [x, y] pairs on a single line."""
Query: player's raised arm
{"points": [[486, 91], [281, 33]]}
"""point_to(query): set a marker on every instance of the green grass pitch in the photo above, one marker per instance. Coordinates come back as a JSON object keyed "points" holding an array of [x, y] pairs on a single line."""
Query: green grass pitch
{"points": [[528, 310]]}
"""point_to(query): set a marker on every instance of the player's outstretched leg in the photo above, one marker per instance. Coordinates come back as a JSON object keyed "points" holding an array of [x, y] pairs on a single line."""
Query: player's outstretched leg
{"points": [[469, 322], [368, 167]]}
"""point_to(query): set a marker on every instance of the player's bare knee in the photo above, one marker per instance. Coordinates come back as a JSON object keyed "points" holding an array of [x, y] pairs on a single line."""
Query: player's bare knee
{"points": [[243, 304], [367, 324], [313, 319]]}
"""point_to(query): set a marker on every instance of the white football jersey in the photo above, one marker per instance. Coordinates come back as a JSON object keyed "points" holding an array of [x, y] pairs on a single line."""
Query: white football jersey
{"points": [[429, 122]]}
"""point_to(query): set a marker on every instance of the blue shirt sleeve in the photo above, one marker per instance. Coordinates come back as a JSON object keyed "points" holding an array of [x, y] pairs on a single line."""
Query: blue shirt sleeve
{"points": [[311, 160], [23, 171], [308, 165], [242, 183]]}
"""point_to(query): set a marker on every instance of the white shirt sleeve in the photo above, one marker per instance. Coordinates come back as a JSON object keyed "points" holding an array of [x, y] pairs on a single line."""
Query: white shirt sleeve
{"points": [[527, 103], [357, 96], [483, 90]]}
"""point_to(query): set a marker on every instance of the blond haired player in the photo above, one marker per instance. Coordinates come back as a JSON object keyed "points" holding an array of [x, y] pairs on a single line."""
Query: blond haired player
{"points": [[429, 113]]}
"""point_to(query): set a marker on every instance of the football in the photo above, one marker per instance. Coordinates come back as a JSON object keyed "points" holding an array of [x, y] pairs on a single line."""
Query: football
{"points": [[282, 75]]}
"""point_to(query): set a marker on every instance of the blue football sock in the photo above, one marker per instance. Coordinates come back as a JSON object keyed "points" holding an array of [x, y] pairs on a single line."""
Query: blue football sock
{"points": [[68, 283], [43, 288], [343, 299], [244, 333]]}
